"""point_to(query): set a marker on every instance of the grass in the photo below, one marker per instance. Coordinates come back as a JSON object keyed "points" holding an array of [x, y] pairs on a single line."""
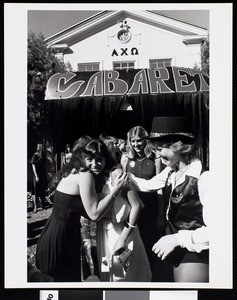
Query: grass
{"points": [[35, 224]]}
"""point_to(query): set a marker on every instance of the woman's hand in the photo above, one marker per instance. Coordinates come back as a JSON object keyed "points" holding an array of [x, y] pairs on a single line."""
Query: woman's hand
{"points": [[119, 245], [120, 182], [165, 245]]}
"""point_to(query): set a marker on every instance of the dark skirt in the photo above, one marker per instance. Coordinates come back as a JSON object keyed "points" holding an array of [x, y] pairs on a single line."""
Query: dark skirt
{"points": [[182, 255]]}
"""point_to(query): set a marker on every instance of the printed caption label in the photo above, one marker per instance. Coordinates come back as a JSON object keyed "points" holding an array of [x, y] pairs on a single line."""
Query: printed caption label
{"points": [[48, 295]]}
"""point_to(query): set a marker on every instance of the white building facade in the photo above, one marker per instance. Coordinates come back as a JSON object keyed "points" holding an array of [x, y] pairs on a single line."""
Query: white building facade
{"points": [[113, 40], [127, 66]]}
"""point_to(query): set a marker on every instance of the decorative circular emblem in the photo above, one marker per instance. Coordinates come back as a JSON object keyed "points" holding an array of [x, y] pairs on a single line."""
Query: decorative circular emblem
{"points": [[132, 164], [124, 36]]}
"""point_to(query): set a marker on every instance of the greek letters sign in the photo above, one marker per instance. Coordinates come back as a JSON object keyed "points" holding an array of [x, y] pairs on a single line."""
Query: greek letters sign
{"points": [[124, 51], [126, 82]]}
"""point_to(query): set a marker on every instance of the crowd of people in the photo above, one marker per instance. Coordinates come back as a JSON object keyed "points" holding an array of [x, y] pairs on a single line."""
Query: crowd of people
{"points": [[146, 197]]}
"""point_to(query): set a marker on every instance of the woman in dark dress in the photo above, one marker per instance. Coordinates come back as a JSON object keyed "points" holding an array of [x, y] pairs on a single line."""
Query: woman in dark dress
{"points": [[38, 162], [58, 248], [67, 154]]}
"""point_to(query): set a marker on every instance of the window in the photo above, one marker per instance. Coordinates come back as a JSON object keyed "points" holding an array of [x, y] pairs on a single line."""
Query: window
{"points": [[123, 65], [159, 63], [88, 67]]}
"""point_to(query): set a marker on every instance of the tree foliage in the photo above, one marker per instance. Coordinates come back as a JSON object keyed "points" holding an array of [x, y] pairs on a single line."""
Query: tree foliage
{"points": [[205, 55], [42, 63]]}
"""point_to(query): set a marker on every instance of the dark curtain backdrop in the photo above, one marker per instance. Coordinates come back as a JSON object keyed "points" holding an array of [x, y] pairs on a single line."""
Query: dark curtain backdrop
{"points": [[190, 105], [109, 109], [68, 119]]}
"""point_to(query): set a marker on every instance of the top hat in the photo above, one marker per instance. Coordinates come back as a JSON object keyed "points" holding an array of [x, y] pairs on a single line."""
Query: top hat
{"points": [[163, 127]]}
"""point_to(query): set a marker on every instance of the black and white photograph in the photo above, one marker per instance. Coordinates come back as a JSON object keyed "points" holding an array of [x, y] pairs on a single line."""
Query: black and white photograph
{"points": [[121, 112]]}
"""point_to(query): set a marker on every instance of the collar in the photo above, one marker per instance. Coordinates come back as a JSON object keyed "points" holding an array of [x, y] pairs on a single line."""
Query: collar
{"points": [[194, 169]]}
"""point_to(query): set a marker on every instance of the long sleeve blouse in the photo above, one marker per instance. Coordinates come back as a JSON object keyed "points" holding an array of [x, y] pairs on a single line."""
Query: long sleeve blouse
{"points": [[194, 240]]}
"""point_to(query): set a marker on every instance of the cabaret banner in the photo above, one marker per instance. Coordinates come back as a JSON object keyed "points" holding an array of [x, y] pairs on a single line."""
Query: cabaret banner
{"points": [[126, 82]]}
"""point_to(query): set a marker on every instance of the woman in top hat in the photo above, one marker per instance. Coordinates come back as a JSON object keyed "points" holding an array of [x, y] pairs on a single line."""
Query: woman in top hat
{"points": [[185, 244]]}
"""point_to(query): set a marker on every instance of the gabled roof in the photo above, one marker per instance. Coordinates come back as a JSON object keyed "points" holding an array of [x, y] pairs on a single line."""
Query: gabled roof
{"points": [[109, 18]]}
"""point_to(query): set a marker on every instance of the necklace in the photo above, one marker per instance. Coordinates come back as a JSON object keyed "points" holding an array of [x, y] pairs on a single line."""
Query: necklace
{"points": [[141, 159]]}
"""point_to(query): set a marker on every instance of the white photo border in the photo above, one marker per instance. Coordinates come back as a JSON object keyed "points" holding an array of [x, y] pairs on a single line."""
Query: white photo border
{"points": [[15, 143]]}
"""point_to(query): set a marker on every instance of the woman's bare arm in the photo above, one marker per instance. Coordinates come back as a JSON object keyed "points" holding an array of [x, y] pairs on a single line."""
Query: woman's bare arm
{"points": [[95, 208], [136, 206]]}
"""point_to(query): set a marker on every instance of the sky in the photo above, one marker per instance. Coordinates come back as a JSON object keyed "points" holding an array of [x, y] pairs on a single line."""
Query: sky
{"points": [[50, 22]]}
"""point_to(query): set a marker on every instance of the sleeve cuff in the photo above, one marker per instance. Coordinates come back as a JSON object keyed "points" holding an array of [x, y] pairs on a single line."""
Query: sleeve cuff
{"points": [[186, 241], [184, 238]]}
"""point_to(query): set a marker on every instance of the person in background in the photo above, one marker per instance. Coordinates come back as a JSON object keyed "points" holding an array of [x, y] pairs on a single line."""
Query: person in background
{"points": [[90, 267], [39, 177], [50, 161], [58, 252], [185, 244], [81, 142], [111, 143], [67, 154], [121, 252], [121, 146], [50, 167], [141, 161]]}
